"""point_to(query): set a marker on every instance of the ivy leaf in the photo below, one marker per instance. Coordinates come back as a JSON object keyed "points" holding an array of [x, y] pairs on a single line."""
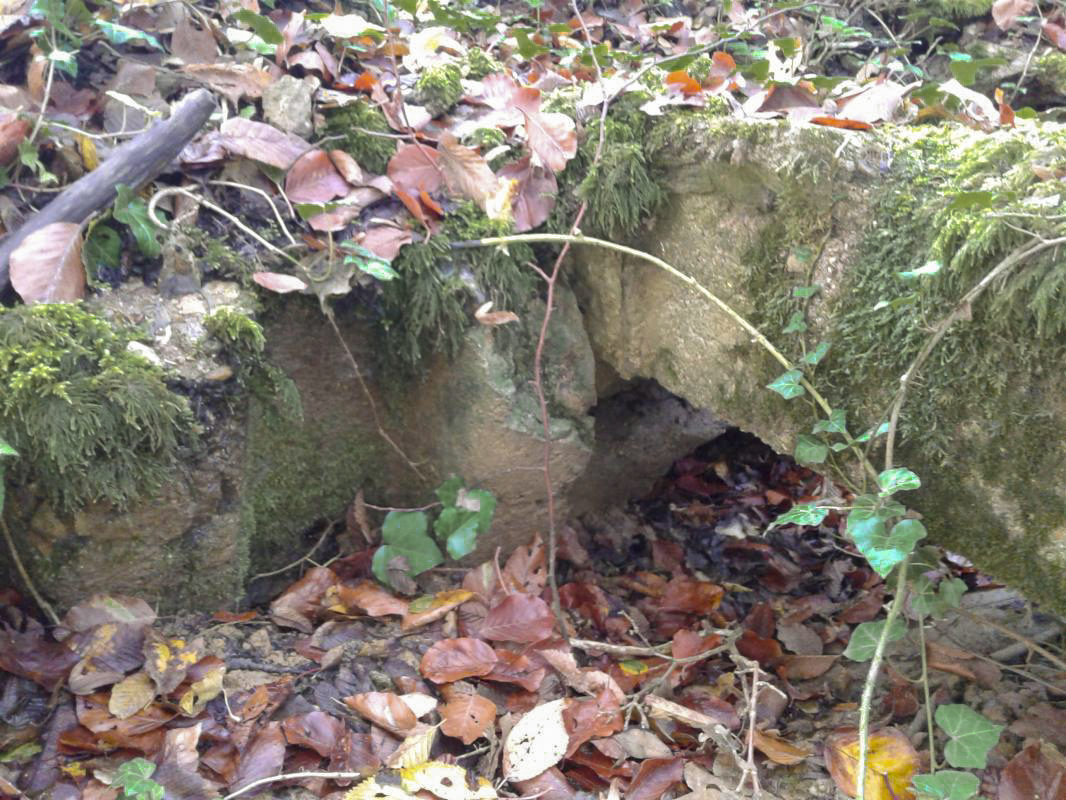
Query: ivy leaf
{"points": [[404, 533], [448, 492], [133, 211], [120, 34], [972, 735], [835, 423], [817, 354], [804, 291], [787, 385], [883, 549], [796, 323], [882, 429], [262, 26], [801, 514], [948, 784], [897, 480], [864, 638], [810, 449]]}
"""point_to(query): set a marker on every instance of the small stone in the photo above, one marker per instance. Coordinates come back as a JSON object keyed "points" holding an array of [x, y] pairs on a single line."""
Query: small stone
{"points": [[287, 104], [145, 351], [219, 374]]}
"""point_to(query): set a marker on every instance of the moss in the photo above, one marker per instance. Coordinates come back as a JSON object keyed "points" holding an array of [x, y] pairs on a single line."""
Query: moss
{"points": [[297, 471], [625, 188], [1049, 70], [351, 123], [90, 419], [956, 9], [439, 88], [430, 305], [243, 341], [479, 64]]}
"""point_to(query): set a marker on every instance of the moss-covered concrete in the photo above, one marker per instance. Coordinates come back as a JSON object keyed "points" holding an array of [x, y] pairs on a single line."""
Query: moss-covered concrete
{"points": [[91, 419], [758, 209]]}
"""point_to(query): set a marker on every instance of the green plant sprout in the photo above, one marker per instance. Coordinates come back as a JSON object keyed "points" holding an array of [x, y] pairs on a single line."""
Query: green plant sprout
{"points": [[134, 778], [407, 545]]}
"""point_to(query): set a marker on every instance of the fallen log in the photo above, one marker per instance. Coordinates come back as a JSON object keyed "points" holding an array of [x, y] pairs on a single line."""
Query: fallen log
{"points": [[133, 164]]}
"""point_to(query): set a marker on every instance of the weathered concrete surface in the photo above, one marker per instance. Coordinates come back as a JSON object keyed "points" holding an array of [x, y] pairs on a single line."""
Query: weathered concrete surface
{"points": [[747, 198]]}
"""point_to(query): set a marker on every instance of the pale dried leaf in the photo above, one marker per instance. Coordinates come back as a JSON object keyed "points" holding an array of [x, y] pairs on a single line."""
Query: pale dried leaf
{"points": [[46, 267]]}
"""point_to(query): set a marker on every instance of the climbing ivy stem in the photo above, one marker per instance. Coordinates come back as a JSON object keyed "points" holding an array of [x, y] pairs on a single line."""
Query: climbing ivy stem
{"points": [[925, 691], [961, 310], [567, 239]]}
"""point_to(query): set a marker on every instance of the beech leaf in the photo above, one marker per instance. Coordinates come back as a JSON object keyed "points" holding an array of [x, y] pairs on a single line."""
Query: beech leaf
{"points": [[454, 659], [46, 267]]}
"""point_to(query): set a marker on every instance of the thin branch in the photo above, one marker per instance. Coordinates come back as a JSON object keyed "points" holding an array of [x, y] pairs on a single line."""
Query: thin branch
{"points": [[43, 604]]}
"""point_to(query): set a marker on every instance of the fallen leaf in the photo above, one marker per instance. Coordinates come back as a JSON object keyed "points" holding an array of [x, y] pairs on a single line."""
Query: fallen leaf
{"points": [[1006, 12], [778, 750], [552, 136], [1037, 771], [537, 741], [491, 319], [261, 142], [46, 267], [466, 172], [891, 763], [233, 81], [313, 178], [519, 618], [385, 709], [465, 714], [414, 168], [279, 282], [454, 659], [654, 777]]}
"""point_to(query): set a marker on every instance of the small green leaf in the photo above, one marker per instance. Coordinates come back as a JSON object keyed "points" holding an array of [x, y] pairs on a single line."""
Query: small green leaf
{"points": [[835, 424], [804, 291], [817, 354], [810, 449], [864, 638], [120, 34], [929, 268], [263, 27], [948, 784], [368, 262], [881, 430], [897, 480], [134, 777], [972, 201], [796, 323], [801, 514], [404, 533], [308, 210], [6, 449], [972, 735], [787, 385], [883, 549], [103, 248], [463, 539], [131, 210], [950, 591], [448, 492]]}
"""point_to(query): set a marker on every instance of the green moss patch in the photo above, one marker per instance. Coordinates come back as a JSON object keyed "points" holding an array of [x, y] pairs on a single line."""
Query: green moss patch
{"points": [[430, 305], [90, 419], [357, 123]]}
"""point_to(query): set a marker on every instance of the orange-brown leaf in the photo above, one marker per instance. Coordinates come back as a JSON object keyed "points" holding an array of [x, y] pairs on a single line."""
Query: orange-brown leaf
{"points": [[46, 267]]}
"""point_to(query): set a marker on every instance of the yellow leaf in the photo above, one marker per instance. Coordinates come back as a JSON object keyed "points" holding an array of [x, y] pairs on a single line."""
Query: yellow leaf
{"points": [[890, 764]]}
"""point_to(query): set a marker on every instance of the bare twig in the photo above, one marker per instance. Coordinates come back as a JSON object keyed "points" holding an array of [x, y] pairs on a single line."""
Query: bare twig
{"points": [[43, 604]]}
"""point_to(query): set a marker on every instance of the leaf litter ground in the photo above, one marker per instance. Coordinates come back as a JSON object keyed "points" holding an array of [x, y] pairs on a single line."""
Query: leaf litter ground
{"points": [[667, 605]]}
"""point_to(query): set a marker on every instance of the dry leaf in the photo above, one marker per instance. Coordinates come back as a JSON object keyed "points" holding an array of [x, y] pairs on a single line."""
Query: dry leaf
{"points": [[46, 267]]}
